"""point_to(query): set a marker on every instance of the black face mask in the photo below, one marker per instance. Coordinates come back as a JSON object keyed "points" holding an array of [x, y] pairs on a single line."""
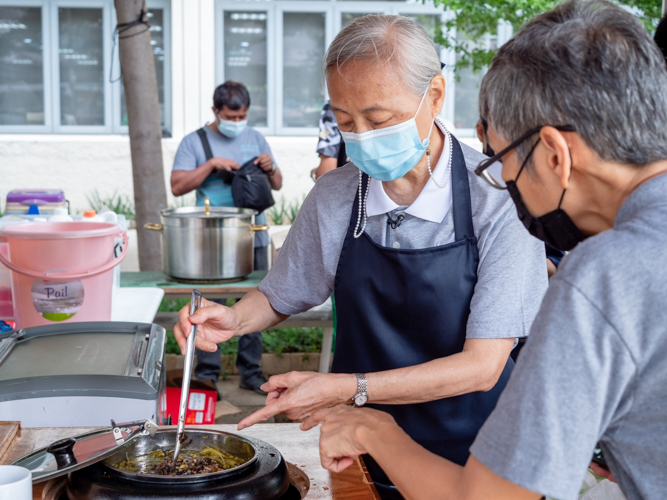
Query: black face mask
{"points": [[488, 150], [554, 228]]}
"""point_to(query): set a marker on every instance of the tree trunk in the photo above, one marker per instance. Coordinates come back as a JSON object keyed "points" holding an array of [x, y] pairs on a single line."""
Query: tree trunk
{"points": [[143, 114]]}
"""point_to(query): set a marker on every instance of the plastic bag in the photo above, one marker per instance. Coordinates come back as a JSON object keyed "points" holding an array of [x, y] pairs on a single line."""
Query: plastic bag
{"points": [[604, 490], [590, 481]]}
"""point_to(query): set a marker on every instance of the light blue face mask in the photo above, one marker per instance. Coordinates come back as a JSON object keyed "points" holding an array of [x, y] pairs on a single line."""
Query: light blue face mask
{"points": [[231, 129], [388, 153]]}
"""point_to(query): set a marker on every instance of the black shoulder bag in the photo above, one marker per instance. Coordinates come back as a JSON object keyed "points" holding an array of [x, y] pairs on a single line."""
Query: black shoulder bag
{"points": [[250, 185]]}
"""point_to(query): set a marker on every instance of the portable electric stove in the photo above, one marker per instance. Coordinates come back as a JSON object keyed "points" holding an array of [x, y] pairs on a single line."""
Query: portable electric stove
{"points": [[88, 461]]}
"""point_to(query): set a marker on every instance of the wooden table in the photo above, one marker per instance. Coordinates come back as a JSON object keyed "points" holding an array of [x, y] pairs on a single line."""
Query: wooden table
{"points": [[297, 447], [177, 290], [316, 317]]}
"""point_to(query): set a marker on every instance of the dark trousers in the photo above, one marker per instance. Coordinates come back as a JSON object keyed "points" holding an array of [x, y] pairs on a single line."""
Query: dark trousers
{"points": [[250, 345]]}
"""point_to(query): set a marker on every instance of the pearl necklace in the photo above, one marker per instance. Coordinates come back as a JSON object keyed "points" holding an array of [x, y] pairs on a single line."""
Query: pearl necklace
{"points": [[362, 199], [449, 162], [362, 206]]}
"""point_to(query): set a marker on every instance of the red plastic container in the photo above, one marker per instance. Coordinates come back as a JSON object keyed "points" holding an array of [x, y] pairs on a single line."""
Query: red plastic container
{"points": [[201, 406]]}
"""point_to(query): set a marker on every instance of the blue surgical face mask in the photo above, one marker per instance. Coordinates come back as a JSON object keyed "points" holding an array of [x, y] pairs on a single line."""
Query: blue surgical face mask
{"points": [[231, 129], [388, 153]]}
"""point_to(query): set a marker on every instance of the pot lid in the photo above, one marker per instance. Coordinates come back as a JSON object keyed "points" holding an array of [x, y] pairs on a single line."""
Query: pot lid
{"points": [[214, 212], [67, 455]]}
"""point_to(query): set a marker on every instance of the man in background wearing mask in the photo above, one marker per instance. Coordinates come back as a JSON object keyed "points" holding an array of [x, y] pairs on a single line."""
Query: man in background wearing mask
{"points": [[232, 143]]}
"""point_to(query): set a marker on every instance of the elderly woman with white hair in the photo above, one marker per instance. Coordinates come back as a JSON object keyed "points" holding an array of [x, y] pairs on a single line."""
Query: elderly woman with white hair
{"points": [[433, 274]]}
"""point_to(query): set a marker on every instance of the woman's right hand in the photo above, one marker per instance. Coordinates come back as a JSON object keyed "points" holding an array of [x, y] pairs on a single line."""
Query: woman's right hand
{"points": [[215, 323]]}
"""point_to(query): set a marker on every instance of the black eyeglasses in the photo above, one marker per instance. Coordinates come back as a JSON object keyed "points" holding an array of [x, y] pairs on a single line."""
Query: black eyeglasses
{"points": [[490, 169]]}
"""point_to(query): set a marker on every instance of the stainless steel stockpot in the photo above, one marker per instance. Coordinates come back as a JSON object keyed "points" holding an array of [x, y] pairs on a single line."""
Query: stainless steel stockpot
{"points": [[207, 244]]}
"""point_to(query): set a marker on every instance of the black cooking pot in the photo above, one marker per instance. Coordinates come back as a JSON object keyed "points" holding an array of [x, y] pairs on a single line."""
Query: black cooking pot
{"points": [[88, 462], [263, 476]]}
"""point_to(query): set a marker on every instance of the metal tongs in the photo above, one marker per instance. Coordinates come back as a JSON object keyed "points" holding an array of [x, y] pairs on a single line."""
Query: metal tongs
{"points": [[195, 304]]}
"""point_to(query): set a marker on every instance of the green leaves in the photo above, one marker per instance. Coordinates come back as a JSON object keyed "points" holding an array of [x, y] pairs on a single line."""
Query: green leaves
{"points": [[472, 32], [284, 212], [275, 341], [283, 340], [117, 202]]}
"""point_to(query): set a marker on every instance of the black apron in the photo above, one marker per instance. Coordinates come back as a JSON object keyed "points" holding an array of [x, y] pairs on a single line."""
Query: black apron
{"points": [[403, 307]]}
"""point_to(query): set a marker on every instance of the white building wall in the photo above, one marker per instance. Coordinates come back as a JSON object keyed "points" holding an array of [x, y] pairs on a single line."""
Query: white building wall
{"points": [[81, 164]]}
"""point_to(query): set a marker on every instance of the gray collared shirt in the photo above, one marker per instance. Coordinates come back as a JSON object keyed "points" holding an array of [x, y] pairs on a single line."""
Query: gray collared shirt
{"points": [[595, 366], [512, 275]]}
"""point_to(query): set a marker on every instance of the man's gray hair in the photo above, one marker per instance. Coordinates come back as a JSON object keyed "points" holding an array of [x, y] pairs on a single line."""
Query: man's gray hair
{"points": [[588, 64], [395, 41]]}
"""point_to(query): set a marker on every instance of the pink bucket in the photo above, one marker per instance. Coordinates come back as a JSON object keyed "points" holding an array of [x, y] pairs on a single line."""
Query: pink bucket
{"points": [[61, 271]]}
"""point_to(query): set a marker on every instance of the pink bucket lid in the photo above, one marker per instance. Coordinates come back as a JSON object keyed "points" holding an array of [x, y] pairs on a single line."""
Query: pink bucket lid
{"points": [[60, 230]]}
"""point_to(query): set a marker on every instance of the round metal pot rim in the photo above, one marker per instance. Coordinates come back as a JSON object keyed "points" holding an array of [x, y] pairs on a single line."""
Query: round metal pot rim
{"points": [[108, 462], [200, 213]]}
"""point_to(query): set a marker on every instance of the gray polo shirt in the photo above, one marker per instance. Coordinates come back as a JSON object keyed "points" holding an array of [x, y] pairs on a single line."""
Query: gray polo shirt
{"points": [[512, 275], [594, 367]]}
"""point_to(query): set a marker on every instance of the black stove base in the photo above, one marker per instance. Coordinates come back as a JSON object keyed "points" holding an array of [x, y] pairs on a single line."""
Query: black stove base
{"points": [[266, 479], [291, 494]]}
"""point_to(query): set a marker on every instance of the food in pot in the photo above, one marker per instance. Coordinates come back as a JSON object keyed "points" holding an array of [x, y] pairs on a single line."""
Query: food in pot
{"points": [[187, 466], [190, 462]]}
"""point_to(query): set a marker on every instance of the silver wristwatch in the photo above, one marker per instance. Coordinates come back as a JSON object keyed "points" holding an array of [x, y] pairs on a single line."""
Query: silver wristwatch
{"points": [[361, 397]]}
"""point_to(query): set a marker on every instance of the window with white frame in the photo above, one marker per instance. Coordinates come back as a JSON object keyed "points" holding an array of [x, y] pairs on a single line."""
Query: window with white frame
{"points": [[55, 66], [276, 47], [21, 66]]}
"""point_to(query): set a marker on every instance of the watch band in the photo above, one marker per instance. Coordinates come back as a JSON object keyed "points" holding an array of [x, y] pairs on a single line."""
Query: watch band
{"points": [[361, 397], [362, 383]]}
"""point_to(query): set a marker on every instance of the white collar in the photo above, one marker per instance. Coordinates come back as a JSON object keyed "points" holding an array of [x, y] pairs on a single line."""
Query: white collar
{"points": [[432, 204]]}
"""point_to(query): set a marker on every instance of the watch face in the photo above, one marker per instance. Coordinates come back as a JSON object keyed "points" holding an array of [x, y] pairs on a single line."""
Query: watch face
{"points": [[360, 399]]}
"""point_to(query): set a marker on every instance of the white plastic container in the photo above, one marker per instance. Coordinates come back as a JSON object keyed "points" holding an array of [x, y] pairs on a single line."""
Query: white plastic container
{"points": [[60, 215]]}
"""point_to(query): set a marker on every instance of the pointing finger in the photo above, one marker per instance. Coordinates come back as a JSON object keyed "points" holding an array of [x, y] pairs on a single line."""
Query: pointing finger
{"points": [[260, 415]]}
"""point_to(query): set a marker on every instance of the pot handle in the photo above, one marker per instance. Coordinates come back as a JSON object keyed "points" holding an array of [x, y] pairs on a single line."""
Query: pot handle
{"points": [[153, 227], [70, 276], [258, 227]]}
